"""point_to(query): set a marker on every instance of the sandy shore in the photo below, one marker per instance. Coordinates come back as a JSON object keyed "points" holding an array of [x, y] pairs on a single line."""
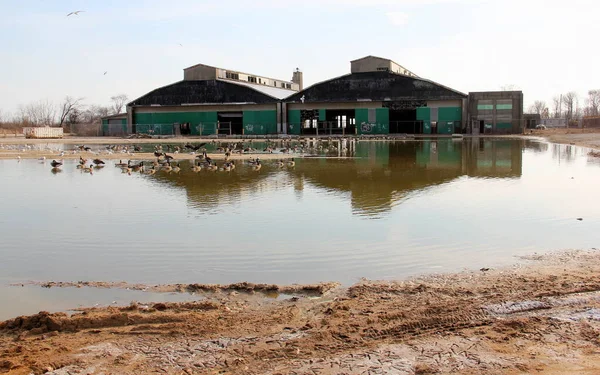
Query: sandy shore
{"points": [[542, 316], [585, 138]]}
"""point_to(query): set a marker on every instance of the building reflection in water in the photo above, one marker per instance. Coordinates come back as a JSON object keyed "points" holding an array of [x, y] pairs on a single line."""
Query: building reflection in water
{"points": [[380, 176]]}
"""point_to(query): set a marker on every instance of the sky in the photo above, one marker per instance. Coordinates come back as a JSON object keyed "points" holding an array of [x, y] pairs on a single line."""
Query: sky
{"points": [[543, 47]]}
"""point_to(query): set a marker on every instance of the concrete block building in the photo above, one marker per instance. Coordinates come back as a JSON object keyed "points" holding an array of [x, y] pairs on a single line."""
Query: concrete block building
{"points": [[496, 112]]}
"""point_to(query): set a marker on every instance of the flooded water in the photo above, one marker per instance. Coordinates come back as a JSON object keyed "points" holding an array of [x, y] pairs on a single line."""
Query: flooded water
{"points": [[395, 209]]}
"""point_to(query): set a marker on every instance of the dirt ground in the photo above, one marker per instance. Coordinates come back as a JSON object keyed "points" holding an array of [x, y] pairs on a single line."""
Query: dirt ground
{"points": [[586, 137], [541, 316]]}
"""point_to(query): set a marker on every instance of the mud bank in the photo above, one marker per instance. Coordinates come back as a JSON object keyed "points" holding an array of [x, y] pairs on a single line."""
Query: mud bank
{"points": [[539, 317], [310, 289], [585, 138]]}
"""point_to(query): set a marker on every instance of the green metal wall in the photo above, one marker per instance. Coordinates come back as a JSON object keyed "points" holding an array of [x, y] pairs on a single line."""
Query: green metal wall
{"points": [[380, 126], [201, 123], [322, 115], [294, 121], [260, 122], [424, 114], [448, 118], [504, 126]]}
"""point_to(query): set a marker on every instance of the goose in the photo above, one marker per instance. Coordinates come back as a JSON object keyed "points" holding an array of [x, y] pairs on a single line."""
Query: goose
{"points": [[89, 169], [257, 166], [121, 164], [151, 171], [42, 159], [232, 163], [196, 167], [55, 164], [126, 168], [168, 157], [82, 161], [98, 162], [176, 168], [280, 163], [137, 148], [212, 167], [158, 154], [138, 167], [291, 163], [167, 168], [155, 163], [208, 160], [226, 167]]}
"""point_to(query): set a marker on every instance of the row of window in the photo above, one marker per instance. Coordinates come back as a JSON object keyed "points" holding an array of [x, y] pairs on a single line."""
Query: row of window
{"points": [[253, 79], [490, 107]]}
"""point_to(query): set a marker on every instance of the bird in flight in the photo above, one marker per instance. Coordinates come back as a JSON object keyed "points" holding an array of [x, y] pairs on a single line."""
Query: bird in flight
{"points": [[75, 13], [181, 44], [105, 73]]}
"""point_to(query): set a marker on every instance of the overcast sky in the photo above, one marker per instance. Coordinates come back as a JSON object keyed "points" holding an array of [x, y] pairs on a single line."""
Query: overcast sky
{"points": [[544, 47]]}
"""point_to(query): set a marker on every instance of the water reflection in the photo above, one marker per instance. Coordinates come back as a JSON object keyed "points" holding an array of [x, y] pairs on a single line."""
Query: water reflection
{"points": [[379, 177], [439, 205]]}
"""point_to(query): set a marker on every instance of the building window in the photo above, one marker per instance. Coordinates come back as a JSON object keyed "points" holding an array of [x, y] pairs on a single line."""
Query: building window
{"points": [[259, 80], [504, 106], [275, 83], [282, 85], [383, 69], [288, 85], [485, 107], [251, 79], [232, 75]]}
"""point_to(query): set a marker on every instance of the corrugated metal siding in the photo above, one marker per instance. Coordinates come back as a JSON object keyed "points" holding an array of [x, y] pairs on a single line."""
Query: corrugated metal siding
{"points": [[43, 132], [260, 122], [294, 121], [322, 115], [200, 122], [371, 121], [424, 114], [447, 118]]}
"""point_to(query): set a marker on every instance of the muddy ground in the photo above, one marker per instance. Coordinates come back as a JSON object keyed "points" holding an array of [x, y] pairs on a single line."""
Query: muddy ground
{"points": [[542, 316], [586, 137]]}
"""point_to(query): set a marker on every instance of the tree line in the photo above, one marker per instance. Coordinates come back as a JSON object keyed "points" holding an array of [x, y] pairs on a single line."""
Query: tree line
{"points": [[567, 106], [68, 112]]}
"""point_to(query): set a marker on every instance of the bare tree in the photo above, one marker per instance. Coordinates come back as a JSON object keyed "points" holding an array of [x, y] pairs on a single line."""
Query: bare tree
{"points": [[569, 100], [592, 103], [68, 106], [41, 113], [93, 114], [119, 102], [539, 107], [75, 116], [557, 106]]}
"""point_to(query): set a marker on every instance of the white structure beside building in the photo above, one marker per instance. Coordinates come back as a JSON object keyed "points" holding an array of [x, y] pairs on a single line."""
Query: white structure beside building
{"points": [[374, 63], [281, 88]]}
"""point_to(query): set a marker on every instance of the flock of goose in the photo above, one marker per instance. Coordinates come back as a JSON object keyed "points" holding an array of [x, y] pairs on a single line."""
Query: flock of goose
{"points": [[164, 161]]}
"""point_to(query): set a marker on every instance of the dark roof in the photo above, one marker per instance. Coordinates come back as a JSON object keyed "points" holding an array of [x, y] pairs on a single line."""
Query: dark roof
{"points": [[376, 86], [203, 92], [117, 116]]}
